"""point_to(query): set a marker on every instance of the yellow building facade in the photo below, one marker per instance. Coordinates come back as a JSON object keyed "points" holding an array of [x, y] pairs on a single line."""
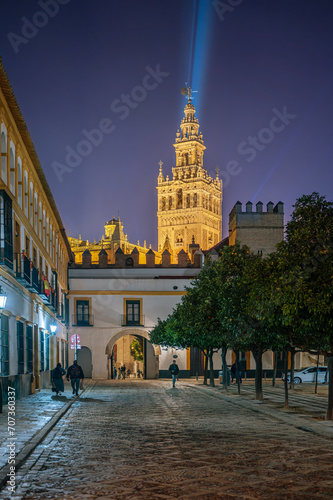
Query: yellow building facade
{"points": [[113, 239], [189, 204], [34, 258]]}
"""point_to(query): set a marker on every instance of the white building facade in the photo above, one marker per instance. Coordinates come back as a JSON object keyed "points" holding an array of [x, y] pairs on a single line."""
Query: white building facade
{"points": [[111, 303]]}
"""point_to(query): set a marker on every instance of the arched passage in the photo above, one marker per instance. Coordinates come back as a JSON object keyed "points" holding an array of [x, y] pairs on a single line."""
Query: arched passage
{"points": [[124, 350], [84, 359]]}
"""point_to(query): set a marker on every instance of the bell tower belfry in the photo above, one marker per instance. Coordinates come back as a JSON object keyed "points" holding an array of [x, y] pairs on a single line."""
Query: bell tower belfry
{"points": [[189, 205]]}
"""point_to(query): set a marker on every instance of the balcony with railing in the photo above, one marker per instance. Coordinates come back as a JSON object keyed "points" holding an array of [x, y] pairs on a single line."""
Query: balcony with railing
{"points": [[131, 320], [47, 293], [26, 273], [82, 319]]}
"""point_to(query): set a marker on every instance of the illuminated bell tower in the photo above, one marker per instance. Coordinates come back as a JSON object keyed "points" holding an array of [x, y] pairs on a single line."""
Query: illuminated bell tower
{"points": [[189, 205]]}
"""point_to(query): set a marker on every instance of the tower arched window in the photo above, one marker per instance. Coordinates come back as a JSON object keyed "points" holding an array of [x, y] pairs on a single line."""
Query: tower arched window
{"points": [[188, 201], [179, 198]]}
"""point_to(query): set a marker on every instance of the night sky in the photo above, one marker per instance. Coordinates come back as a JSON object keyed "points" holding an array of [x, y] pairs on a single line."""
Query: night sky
{"points": [[263, 71]]}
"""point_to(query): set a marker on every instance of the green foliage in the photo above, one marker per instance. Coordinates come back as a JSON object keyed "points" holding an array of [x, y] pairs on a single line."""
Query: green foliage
{"points": [[305, 279], [242, 301], [136, 348], [282, 302]]}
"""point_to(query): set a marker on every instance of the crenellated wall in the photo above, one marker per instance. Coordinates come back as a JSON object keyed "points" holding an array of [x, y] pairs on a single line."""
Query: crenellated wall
{"points": [[260, 230]]}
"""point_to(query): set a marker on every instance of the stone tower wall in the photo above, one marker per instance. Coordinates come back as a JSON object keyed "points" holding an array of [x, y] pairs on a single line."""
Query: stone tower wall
{"points": [[259, 230]]}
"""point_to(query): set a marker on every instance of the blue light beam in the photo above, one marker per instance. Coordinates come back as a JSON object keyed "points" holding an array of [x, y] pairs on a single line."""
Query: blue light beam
{"points": [[201, 24]]}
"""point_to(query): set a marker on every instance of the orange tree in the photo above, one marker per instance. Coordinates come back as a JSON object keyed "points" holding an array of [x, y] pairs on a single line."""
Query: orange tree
{"points": [[195, 321], [267, 311], [305, 283], [242, 276], [214, 313]]}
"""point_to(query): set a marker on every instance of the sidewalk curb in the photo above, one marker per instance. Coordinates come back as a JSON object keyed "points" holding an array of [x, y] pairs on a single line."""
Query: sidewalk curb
{"points": [[293, 421], [28, 448]]}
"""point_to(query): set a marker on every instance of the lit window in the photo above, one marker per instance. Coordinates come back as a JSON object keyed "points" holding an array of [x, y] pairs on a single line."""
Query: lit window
{"points": [[82, 312], [132, 312]]}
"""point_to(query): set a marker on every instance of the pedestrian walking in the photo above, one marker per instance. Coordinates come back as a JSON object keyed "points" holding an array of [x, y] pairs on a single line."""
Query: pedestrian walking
{"points": [[174, 370], [115, 372], [239, 373], [57, 380], [233, 372], [75, 373], [123, 371]]}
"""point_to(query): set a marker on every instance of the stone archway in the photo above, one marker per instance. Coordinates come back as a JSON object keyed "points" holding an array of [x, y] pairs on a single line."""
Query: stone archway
{"points": [[151, 352]]}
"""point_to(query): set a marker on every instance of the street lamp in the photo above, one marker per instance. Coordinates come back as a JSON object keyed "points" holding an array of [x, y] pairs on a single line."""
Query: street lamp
{"points": [[53, 327], [3, 298]]}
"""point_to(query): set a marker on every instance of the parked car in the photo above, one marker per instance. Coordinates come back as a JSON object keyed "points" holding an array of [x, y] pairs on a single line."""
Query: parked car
{"points": [[309, 375]]}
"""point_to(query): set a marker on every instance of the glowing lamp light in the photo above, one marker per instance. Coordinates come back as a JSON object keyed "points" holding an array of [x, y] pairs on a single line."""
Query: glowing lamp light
{"points": [[3, 298], [53, 328]]}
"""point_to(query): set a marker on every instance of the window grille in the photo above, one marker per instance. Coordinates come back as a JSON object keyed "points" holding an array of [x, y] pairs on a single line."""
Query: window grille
{"points": [[4, 346], [20, 347]]}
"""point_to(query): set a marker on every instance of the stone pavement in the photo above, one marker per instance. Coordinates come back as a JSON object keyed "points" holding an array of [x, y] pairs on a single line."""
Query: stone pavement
{"points": [[142, 439], [35, 415], [306, 409]]}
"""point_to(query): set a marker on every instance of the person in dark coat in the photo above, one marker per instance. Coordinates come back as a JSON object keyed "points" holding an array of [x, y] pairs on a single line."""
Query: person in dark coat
{"points": [[57, 380], [75, 373], [174, 370], [233, 372]]}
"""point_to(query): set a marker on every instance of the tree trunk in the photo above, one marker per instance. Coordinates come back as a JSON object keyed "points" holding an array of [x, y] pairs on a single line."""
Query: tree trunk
{"points": [[238, 379], [274, 369], [286, 402], [211, 371], [206, 369], [257, 354], [329, 414], [292, 369], [316, 384], [224, 368]]}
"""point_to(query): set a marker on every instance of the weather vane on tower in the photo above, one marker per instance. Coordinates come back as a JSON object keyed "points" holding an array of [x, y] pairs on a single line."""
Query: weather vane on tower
{"points": [[187, 92]]}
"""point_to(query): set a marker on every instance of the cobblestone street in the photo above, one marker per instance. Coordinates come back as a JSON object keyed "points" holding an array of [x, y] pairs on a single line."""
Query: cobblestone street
{"points": [[145, 440]]}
